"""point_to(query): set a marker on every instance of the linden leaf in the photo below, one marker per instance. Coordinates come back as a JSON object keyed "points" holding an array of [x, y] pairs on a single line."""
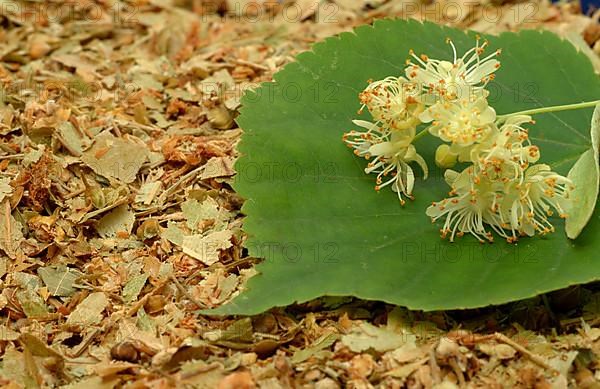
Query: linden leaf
{"points": [[312, 213], [7, 334], [37, 347], [173, 233], [586, 179], [28, 296], [148, 192], [585, 175], [12, 369], [195, 211], [218, 167], [71, 138]]}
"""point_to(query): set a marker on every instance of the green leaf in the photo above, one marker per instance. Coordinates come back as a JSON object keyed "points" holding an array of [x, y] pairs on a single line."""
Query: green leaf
{"points": [[585, 175], [586, 178], [313, 214]]}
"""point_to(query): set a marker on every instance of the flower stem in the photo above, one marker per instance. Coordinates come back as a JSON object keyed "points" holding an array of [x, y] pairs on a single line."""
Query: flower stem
{"points": [[554, 108], [421, 134]]}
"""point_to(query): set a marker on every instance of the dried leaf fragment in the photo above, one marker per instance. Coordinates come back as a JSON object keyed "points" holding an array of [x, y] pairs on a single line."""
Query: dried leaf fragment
{"points": [[218, 167], [148, 192], [199, 215], [11, 234], [206, 248], [500, 351], [89, 311], [366, 336], [118, 220], [118, 158], [6, 334], [70, 138], [5, 189], [59, 280], [133, 288], [316, 349]]}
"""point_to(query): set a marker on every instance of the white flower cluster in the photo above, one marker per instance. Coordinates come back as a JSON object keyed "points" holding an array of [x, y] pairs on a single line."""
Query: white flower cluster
{"points": [[502, 186], [395, 106]]}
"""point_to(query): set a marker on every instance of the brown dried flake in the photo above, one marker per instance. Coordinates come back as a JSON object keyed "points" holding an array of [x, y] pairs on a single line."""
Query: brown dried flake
{"points": [[35, 180], [195, 150]]}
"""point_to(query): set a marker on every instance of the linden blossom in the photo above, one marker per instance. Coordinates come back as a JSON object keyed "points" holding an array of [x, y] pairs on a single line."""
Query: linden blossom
{"points": [[462, 123], [511, 209], [502, 187], [507, 152], [468, 74], [502, 190], [394, 102], [392, 152], [398, 106]]}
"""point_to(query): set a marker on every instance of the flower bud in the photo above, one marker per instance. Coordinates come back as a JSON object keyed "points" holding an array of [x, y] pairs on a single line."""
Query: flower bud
{"points": [[444, 158]]}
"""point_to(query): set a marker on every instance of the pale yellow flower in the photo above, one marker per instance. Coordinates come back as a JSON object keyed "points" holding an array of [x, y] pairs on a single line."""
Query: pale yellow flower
{"points": [[390, 154], [463, 78], [462, 123], [393, 102]]}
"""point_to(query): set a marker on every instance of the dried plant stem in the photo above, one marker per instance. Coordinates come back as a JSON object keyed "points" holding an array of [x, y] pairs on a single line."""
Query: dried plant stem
{"points": [[528, 354], [185, 292]]}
